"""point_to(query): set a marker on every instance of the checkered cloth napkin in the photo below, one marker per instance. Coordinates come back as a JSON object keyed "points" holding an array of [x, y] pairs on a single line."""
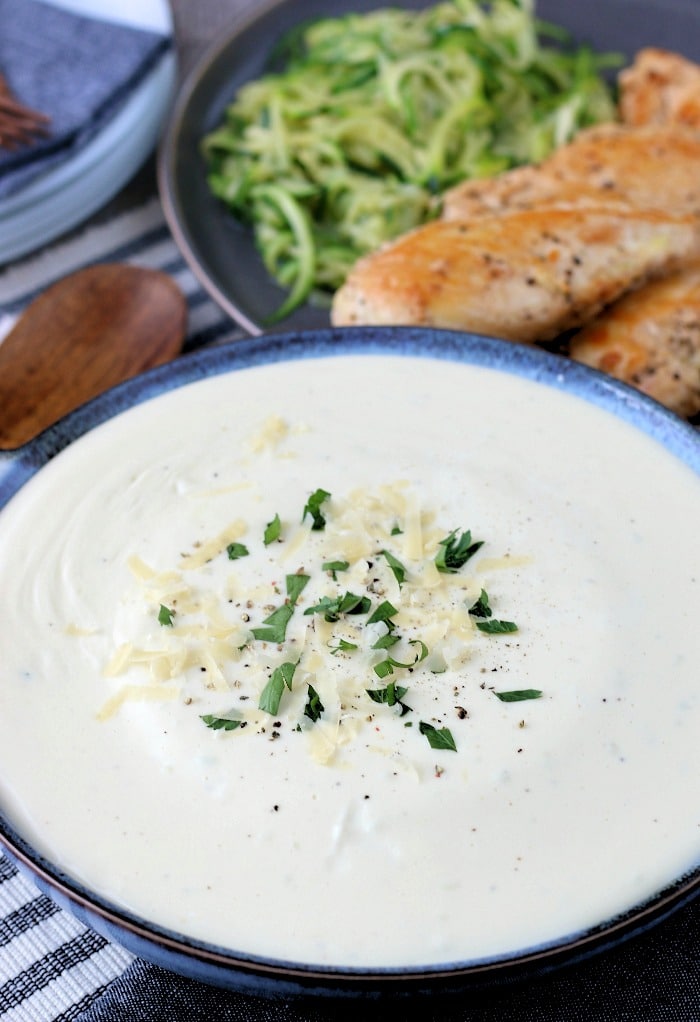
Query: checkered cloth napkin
{"points": [[54, 969]]}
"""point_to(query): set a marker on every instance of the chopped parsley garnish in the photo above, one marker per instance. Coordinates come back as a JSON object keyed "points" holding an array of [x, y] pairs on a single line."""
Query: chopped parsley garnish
{"points": [[275, 624], [494, 627], [396, 566], [314, 707], [455, 551], [386, 667], [439, 738], [295, 586], [313, 508], [272, 693], [387, 641], [343, 646], [383, 612], [221, 723], [236, 550], [332, 607], [165, 616], [481, 607], [273, 531], [392, 695], [335, 566], [518, 695]]}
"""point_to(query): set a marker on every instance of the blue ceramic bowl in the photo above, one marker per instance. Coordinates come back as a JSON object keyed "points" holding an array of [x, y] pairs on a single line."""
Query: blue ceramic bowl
{"points": [[261, 976]]}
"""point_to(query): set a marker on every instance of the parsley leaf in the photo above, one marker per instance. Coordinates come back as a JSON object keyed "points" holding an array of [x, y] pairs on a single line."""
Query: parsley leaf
{"points": [[295, 586], [439, 738], [221, 723], [383, 612], [396, 566], [276, 622], [273, 530], [335, 566], [495, 627], [313, 508], [343, 647], [392, 695], [386, 667], [387, 641], [518, 695], [454, 552], [236, 550], [481, 608], [165, 616], [272, 693], [314, 707], [333, 606]]}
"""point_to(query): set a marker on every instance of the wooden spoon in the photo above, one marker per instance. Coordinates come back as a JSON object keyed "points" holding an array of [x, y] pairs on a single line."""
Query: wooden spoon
{"points": [[89, 331]]}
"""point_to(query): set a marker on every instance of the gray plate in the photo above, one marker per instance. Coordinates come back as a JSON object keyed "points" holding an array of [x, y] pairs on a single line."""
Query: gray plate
{"points": [[221, 251]]}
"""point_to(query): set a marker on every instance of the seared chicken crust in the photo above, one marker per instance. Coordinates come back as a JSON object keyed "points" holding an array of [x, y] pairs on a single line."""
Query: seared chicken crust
{"points": [[660, 87], [525, 275], [651, 339], [651, 167]]}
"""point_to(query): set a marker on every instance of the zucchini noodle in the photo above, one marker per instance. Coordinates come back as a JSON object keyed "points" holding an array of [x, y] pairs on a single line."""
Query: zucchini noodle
{"points": [[373, 115]]}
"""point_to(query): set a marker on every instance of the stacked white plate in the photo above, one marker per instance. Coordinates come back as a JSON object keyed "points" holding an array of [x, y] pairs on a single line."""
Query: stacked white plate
{"points": [[69, 192]]}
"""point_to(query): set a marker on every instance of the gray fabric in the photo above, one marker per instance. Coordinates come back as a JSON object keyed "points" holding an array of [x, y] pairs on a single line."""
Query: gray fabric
{"points": [[77, 70], [651, 978]]}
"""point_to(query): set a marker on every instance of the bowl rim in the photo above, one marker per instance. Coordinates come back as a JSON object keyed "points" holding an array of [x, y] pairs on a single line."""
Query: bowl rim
{"points": [[229, 967]]}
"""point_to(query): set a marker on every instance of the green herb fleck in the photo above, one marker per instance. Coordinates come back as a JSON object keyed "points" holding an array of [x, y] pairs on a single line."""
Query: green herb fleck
{"points": [[236, 550], [332, 607], [314, 707], [392, 695], [495, 627], [295, 586], [276, 622], [396, 566], [386, 667], [273, 530], [313, 508], [481, 607], [383, 612], [221, 723], [335, 566], [455, 551], [396, 530], [387, 641], [165, 616], [439, 738], [518, 695], [343, 647], [272, 693]]}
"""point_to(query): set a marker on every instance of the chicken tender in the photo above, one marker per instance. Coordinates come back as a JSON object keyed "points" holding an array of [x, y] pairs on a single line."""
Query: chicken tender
{"points": [[660, 87], [525, 276], [651, 339], [653, 167]]}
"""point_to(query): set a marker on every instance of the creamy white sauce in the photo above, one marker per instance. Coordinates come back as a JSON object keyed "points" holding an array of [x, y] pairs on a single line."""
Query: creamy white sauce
{"points": [[365, 846]]}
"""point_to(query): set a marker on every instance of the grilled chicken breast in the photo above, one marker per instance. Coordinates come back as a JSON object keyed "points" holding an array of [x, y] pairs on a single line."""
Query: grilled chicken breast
{"points": [[660, 87], [651, 339], [525, 275], [651, 167]]}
